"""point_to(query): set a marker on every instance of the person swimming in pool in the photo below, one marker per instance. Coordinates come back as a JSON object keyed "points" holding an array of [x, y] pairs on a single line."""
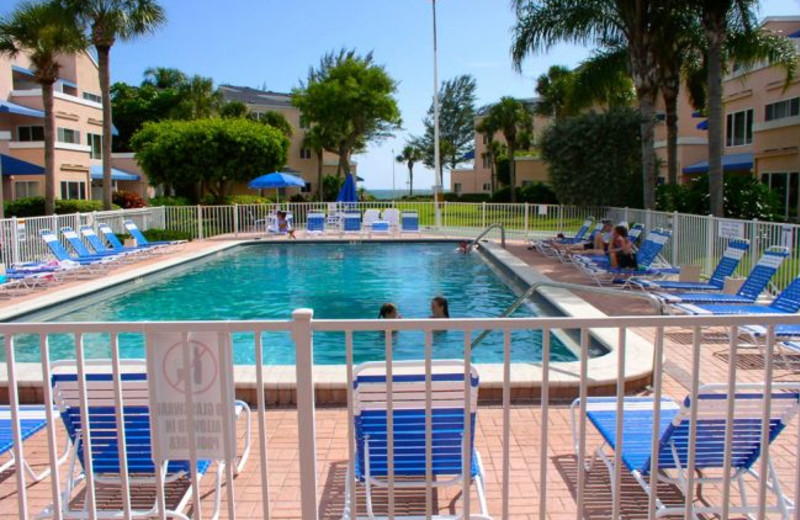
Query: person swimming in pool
{"points": [[439, 307], [389, 311], [463, 247]]}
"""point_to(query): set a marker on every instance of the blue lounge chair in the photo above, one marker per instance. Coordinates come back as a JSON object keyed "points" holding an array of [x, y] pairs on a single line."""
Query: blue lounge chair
{"points": [[351, 222], [751, 289], [82, 251], [601, 272], [709, 448], [726, 266], [543, 245], [448, 436], [787, 302], [137, 234], [635, 233], [315, 223], [409, 222], [392, 216], [381, 227], [104, 435], [116, 243], [62, 255], [100, 247], [32, 419]]}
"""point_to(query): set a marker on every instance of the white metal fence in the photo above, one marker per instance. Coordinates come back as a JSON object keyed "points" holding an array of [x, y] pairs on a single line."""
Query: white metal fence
{"points": [[504, 443]]}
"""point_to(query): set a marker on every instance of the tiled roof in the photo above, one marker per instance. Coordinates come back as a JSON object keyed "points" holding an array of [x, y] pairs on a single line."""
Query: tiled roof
{"points": [[252, 96]]}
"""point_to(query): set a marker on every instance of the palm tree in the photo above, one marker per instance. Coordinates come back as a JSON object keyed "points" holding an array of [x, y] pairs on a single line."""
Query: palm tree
{"points": [[43, 31], [164, 77], [612, 24], [486, 127], [317, 141], [108, 21], [511, 118], [554, 92], [199, 99], [410, 156]]}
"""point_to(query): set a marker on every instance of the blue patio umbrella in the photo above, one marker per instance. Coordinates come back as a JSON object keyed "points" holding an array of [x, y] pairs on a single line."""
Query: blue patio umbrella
{"points": [[276, 180], [348, 192]]}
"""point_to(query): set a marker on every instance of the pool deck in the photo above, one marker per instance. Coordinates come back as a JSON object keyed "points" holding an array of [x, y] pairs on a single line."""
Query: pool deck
{"points": [[526, 419]]}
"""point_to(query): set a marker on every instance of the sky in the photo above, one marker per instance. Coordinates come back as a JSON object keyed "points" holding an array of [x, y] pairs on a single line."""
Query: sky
{"points": [[273, 43]]}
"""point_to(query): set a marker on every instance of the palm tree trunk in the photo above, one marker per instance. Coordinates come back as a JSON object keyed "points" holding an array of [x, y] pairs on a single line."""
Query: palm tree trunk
{"points": [[410, 179], [671, 103], [103, 59], [320, 195], [49, 149], [715, 35], [512, 168], [647, 102]]}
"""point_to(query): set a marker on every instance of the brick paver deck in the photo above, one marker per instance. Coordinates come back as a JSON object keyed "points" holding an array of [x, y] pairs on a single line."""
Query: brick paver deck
{"points": [[526, 488]]}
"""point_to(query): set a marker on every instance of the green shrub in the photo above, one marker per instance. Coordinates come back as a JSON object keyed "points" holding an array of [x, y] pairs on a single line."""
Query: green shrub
{"points": [[34, 207], [249, 199], [470, 197], [169, 201], [80, 206], [537, 193], [128, 199], [157, 235], [298, 197]]}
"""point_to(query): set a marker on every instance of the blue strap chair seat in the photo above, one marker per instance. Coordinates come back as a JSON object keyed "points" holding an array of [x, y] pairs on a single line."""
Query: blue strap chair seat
{"points": [[137, 234], [315, 222], [673, 434], [62, 255], [409, 222], [544, 245], [787, 302], [32, 420], [116, 243]]}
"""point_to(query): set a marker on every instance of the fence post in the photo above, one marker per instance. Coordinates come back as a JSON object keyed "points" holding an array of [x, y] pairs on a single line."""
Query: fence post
{"points": [[527, 215], [754, 243], [93, 219], [648, 220], [236, 219], [444, 215], [483, 215], [164, 217], [560, 218], [675, 237], [14, 240], [55, 224], [199, 222], [77, 225], [304, 364], [625, 216], [710, 244]]}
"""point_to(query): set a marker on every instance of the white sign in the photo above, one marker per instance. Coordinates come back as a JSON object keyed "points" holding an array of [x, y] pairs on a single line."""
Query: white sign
{"points": [[199, 370], [542, 210], [731, 229], [21, 234], [787, 236]]}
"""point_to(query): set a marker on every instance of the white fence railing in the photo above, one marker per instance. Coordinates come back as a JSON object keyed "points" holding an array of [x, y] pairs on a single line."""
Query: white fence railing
{"points": [[520, 444], [696, 239]]}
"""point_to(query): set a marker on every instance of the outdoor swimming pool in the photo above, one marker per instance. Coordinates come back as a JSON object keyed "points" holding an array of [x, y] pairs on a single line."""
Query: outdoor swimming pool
{"points": [[337, 280]]}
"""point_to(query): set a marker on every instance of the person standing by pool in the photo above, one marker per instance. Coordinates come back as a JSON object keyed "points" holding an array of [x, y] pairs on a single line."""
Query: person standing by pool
{"points": [[439, 308], [389, 311]]}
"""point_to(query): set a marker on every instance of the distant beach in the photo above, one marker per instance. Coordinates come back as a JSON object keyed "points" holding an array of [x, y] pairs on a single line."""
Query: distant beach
{"points": [[396, 194]]}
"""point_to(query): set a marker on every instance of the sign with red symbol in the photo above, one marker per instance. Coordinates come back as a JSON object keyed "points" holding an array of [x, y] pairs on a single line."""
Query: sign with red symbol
{"points": [[191, 383]]}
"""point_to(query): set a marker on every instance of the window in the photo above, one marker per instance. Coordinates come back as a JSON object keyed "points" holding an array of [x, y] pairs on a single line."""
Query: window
{"points": [[457, 187], [486, 139], [526, 183], [305, 153], [73, 190], [68, 135], [782, 109], [23, 80], [739, 130], [29, 134], [785, 186], [306, 188], [96, 142], [70, 90], [487, 162], [94, 98], [25, 189], [487, 186]]}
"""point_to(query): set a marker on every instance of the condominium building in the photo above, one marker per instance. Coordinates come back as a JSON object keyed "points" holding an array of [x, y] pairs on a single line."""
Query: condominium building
{"points": [[302, 161], [79, 121], [478, 178]]}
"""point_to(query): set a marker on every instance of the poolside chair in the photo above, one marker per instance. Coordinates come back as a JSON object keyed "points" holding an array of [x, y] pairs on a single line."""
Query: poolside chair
{"points": [[32, 419], [62, 255], [448, 436], [674, 433], [787, 302], [635, 233], [380, 227], [751, 289], [116, 243], [351, 222], [370, 216], [562, 253], [74, 240], [543, 245], [392, 216], [726, 266], [137, 234], [315, 223], [100, 247], [104, 435], [409, 222]]}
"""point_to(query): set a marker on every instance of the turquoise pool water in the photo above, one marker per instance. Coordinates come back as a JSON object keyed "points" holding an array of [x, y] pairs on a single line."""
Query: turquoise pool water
{"points": [[338, 281]]}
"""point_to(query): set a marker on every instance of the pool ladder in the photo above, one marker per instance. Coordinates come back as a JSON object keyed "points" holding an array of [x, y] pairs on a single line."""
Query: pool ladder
{"points": [[574, 287], [486, 232]]}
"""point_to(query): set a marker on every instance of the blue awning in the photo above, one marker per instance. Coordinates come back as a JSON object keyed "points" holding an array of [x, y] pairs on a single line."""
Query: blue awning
{"points": [[732, 162], [702, 125], [7, 107], [697, 114], [116, 174], [13, 166], [795, 35]]}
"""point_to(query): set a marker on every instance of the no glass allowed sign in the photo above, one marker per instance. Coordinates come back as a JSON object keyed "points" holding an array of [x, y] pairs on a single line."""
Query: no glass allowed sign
{"points": [[191, 395]]}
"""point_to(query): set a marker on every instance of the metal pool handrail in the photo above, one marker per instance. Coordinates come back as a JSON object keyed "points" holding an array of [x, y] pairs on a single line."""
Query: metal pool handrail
{"points": [[486, 231], [575, 287]]}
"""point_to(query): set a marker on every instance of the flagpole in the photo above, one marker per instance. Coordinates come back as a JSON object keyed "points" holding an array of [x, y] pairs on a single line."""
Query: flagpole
{"points": [[437, 188]]}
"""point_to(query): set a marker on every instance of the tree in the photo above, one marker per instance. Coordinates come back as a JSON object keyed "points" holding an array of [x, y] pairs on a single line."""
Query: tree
{"points": [[164, 77], [511, 118], [410, 155], [317, 141], [198, 99], [456, 121], [210, 152], [233, 109], [595, 158], [352, 99], [276, 120], [554, 89], [43, 31], [109, 21], [612, 24], [486, 127]]}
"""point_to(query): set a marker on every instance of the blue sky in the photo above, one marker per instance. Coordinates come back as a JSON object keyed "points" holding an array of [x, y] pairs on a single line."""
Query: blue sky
{"points": [[273, 43]]}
